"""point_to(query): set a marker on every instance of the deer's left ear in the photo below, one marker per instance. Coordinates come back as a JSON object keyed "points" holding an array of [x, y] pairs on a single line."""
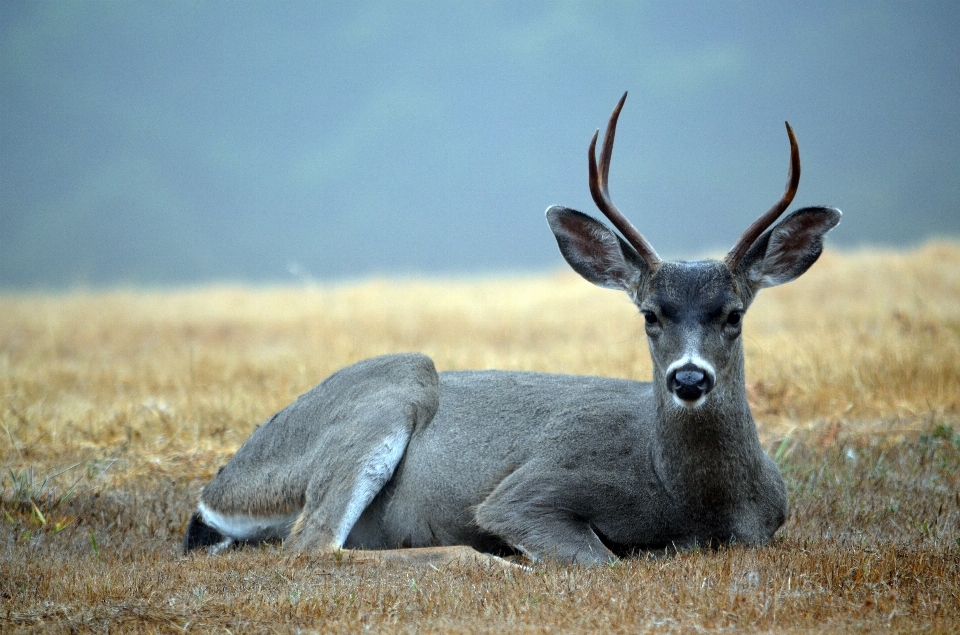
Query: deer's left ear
{"points": [[785, 252]]}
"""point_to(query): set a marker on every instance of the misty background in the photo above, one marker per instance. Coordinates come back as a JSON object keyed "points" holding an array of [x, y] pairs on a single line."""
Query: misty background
{"points": [[181, 142]]}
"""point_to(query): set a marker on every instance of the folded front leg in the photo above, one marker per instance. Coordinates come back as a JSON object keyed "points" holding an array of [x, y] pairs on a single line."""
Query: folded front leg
{"points": [[535, 515]]}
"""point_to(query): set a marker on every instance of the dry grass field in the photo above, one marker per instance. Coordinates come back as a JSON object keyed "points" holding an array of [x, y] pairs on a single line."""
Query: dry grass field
{"points": [[117, 406]]}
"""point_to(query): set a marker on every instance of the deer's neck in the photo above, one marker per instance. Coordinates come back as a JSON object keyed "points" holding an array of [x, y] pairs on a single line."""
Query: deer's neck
{"points": [[711, 446]]}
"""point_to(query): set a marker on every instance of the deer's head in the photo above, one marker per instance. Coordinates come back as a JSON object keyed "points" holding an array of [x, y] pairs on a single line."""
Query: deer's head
{"points": [[693, 310]]}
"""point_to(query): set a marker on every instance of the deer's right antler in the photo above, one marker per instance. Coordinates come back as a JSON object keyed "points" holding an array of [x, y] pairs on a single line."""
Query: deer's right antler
{"points": [[601, 193]]}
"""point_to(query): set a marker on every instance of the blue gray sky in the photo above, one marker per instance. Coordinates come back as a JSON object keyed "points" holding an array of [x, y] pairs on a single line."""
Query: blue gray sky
{"points": [[188, 142]]}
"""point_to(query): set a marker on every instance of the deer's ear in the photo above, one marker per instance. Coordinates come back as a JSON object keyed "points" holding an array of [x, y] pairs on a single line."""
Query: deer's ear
{"points": [[594, 251], [785, 252]]}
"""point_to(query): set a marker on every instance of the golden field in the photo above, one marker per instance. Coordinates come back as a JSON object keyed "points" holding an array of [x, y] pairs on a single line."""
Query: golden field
{"points": [[117, 406]]}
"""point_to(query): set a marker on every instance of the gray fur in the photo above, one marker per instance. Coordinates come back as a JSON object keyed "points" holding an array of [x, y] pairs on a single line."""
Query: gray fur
{"points": [[578, 469], [308, 458]]}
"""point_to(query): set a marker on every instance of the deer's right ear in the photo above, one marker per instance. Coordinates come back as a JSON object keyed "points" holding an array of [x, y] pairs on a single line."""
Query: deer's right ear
{"points": [[594, 251]]}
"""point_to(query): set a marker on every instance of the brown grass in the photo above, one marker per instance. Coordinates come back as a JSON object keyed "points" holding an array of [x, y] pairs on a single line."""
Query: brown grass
{"points": [[130, 400]]}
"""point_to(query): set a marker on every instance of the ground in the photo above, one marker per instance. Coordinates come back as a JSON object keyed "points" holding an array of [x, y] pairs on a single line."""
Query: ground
{"points": [[117, 406]]}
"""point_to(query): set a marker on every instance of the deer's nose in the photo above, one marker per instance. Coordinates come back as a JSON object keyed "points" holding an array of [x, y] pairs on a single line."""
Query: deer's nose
{"points": [[689, 382]]}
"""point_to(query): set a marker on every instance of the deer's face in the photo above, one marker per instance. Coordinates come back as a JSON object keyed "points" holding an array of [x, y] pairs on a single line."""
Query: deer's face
{"points": [[693, 310], [693, 318]]}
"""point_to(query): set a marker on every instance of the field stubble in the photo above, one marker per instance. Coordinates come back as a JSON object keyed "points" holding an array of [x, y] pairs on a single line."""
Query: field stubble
{"points": [[117, 406]]}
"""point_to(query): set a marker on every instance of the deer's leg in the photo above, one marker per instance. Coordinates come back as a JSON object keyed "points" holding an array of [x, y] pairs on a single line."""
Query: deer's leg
{"points": [[534, 515], [307, 474], [347, 477]]}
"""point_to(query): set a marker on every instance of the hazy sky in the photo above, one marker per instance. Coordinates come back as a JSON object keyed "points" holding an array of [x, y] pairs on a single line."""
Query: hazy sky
{"points": [[168, 142]]}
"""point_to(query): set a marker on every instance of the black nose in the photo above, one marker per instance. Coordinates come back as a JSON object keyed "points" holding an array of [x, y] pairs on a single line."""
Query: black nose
{"points": [[689, 382]]}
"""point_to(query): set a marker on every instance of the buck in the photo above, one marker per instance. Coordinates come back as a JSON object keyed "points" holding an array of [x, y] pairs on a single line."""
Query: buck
{"points": [[389, 454]]}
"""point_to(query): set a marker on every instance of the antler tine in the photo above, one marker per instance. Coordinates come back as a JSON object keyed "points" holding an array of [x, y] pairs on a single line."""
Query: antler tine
{"points": [[761, 224], [601, 195]]}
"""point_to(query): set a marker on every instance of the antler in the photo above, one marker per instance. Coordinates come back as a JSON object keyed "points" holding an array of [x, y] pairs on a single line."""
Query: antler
{"points": [[601, 195], [761, 224]]}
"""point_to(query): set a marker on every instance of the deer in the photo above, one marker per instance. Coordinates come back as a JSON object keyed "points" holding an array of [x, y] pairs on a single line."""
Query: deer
{"points": [[390, 456]]}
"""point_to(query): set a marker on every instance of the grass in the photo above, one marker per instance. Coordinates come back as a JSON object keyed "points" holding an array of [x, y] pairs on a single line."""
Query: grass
{"points": [[117, 406]]}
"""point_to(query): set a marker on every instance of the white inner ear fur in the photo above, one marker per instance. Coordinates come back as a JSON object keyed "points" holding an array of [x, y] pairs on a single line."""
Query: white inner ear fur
{"points": [[793, 246], [777, 265]]}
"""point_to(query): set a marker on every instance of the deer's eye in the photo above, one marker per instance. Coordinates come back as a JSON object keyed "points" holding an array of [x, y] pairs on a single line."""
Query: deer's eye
{"points": [[650, 318], [733, 319]]}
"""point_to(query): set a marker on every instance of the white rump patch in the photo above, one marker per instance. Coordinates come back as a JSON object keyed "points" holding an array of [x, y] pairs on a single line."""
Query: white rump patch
{"points": [[244, 527], [529, 554], [220, 547], [374, 474]]}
